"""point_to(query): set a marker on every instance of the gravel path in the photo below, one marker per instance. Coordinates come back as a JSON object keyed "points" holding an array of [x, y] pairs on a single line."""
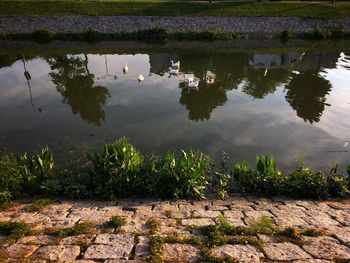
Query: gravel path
{"points": [[175, 219], [242, 25]]}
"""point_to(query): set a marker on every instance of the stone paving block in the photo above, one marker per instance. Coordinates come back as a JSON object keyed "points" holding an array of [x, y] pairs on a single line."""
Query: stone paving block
{"points": [[256, 215], [57, 253], [174, 230], [326, 248], [206, 213], [30, 218], [135, 225], [142, 248], [181, 253], [234, 221], [292, 218], [285, 252], [342, 216], [189, 207], [115, 239], [180, 214], [234, 213], [18, 250], [319, 219], [165, 207], [312, 261], [107, 252], [76, 240], [244, 253], [56, 211], [216, 208], [124, 261], [198, 222], [83, 261], [37, 240], [341, 233], [67, 222], [6, 216]]}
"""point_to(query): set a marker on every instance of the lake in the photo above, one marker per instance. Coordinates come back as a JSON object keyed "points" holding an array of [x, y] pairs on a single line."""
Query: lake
{"points": [[292, 102]]}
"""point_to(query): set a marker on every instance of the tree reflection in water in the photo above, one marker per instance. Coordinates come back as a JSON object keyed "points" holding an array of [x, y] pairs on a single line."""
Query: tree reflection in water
{"points": [[200, 103], [306, 94], [76, 85]]}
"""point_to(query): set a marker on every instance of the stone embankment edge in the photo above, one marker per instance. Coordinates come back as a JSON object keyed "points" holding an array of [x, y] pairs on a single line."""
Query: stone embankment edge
{"points": [[247, 26]]}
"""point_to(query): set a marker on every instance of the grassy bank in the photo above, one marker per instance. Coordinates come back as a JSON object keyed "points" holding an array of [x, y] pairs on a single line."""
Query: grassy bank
{"points": [[121, 170], [174, 8]]}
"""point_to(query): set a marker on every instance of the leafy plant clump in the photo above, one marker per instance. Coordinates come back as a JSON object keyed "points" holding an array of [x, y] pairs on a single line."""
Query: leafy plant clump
{"points": [[153, 225], [263, 225], [40, 204], [78, 229], [121, 170], [115, 222], [117, 170], [287, 34], [23, 175], [15, 229], [184, 177]]}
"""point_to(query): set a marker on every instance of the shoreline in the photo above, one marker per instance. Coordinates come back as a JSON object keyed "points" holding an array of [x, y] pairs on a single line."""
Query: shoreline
{"points": [[238, 27]]}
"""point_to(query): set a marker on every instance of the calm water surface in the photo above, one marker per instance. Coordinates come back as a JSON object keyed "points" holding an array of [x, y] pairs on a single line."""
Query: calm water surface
{"points": [[292, 104]]}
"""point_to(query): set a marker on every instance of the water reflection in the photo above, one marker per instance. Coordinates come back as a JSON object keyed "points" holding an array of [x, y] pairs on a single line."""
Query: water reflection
{"points": [[288, 103], [74, 81], [306, 94]]}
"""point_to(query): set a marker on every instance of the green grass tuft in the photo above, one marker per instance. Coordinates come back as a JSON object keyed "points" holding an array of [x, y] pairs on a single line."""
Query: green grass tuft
{"points": [[153, 225], [40, 204], [263, 225], [115, 222], [15, 229], [79, 229]]}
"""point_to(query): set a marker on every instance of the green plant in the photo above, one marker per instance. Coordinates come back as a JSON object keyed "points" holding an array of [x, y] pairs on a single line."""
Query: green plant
{"points": [[311, 232], [337, 183], [225, 225], [116, 171], [320, 33], [35, 169], [115, 222], [156, 250], [39, 204], [292, 235], [15, 229], [287, 34], [78, 229], [43, 35], [223, 178], [168, 213], [304, 182], [271, 179], [153, 225], [263, 225], [22, 175], [246, 180], [186, 177]]}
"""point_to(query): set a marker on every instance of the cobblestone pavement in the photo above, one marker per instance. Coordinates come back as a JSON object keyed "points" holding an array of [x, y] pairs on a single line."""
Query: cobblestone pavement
{"points": [[240, 25], [179, 219]]}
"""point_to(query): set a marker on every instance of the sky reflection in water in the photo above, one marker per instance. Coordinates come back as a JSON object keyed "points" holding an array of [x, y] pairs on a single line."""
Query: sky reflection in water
{"points": [[293, 105]]}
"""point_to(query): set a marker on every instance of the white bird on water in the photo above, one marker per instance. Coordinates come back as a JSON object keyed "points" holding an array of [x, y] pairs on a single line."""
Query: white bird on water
{"points": [[125, 68], [175, 65], [141, 78]]}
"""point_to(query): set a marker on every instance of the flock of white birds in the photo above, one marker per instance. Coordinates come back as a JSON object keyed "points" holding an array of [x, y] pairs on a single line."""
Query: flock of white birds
{"points": [[189, 79]]}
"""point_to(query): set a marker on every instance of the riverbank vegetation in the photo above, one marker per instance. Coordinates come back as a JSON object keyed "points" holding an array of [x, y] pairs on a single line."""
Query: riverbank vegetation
{"points": [[121, 170], [317, 10], [161, 34]]}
